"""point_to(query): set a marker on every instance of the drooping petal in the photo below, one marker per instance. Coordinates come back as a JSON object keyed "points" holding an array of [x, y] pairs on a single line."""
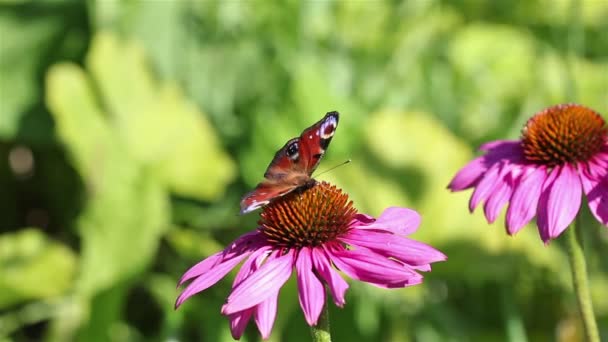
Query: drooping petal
{"points": [[337, 285], [559, 203], [251, 265], [256, 288], [485, 186], [238, 322], [525, 200], [597, 167], [597, 197], [243, 244], [475, 171], [265, 314], [403, 249], [311, 293], [201, 267], [469, 175], [501, 194], [374, 268], [402, 221], [211, 277], [502, 147]]}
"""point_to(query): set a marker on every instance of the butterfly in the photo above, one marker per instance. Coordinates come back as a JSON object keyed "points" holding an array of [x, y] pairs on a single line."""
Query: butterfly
{"points": [[292, 165]]}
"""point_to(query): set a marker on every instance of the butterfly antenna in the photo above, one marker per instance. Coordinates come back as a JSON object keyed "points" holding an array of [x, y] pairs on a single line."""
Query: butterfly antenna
{"points": [[334, 167]]}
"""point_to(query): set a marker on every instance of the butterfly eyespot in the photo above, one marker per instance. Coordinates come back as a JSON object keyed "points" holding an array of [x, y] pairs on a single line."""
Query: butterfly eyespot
{"points": [[292, 150], [328, 128]]}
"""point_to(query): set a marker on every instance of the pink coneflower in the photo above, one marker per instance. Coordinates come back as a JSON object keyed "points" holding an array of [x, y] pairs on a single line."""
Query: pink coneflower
{"points": [[313, 230], [563, 153]]}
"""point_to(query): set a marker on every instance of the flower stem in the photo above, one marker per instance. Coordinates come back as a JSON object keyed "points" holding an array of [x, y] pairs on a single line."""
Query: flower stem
{"points": [[580, 281], [320, 332]]}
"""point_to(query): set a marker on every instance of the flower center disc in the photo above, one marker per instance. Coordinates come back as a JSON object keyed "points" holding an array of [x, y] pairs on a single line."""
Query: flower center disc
{"points": [[308, 217], [562, 134]]}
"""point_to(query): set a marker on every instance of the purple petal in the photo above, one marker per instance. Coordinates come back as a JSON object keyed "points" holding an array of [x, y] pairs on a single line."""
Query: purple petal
{"points": [[598, 166], [597, 197], [211, 277], [337, 285], [374, 268], [525, 199], [423, 268], [559, 203], [476, 170], [469, 175], [402, 221], [502, 147], [403, 249], [243, 244], [363, 219], [485, 187], [201, 267], [251, 264], [260, 285], [265, 314], [498, 198], [310, 290], [238, 322]]}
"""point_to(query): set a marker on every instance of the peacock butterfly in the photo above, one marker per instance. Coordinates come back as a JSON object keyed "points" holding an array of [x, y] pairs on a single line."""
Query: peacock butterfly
{"points": [[292, 165]]}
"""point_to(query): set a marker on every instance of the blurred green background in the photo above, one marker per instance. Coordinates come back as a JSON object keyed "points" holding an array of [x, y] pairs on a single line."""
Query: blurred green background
{"points": [[129, 130]]}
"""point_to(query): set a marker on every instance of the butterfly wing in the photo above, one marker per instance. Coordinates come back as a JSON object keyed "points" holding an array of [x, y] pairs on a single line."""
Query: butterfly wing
{"points": [[293, 164], [263, 193], [314, 141]]}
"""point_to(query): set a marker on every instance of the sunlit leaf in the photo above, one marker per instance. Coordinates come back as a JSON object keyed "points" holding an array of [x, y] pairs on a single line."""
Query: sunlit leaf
{"points": [[127, 208], [32, 266], [158, 124], [21, 48]]}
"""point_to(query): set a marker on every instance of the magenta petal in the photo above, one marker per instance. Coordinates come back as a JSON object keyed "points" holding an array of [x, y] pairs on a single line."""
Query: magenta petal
{"points": [[476, 170], [238, 323], [468, 175], [597, 197], [497, 199], [251, 265], [374, 268], [403, 249], [525, 200], [310, 290], [559, 203], [337, 285], [485, 187], [201, 267], [265, 314], [261, 284], [506, 147], [597, 167], [402, 221], [211, 277], [243, 244]]}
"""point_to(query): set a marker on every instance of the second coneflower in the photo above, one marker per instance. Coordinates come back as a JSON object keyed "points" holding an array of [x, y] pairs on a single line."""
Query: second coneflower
{"points": [[563, 153], [317, 231]]}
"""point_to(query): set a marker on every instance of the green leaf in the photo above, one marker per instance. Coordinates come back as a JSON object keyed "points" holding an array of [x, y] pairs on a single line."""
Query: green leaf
{"points": [[33, 267], [496, 67], [21, 49], [159, 125], [127, 207]]}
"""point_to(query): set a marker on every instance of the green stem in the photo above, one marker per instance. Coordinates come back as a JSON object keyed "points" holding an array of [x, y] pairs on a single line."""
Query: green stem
{"points": [[580, 281], [320, 332]]}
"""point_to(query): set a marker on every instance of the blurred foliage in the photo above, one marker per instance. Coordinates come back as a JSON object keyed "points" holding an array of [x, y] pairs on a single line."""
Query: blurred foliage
{"points": [[130, 129]]}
